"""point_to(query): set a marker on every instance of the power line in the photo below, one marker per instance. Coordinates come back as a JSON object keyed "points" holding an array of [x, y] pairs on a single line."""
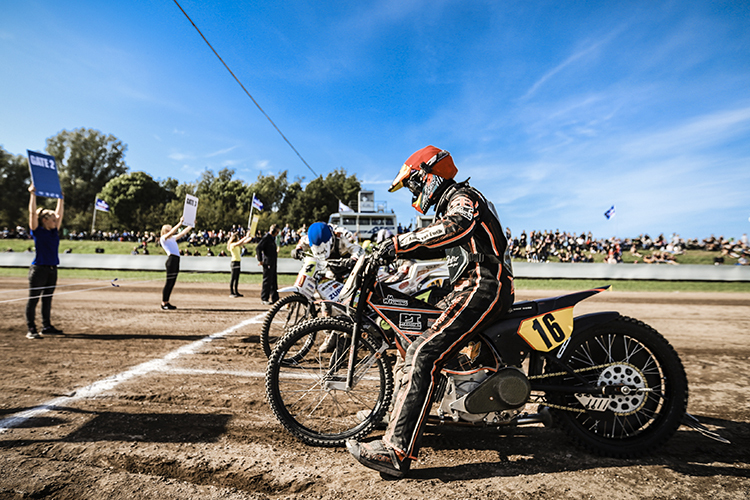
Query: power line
{"points": [[246, 91]]}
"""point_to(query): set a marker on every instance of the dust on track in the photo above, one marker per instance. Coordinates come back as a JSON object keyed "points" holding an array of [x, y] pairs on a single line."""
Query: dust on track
{"points": [[200, 427]]}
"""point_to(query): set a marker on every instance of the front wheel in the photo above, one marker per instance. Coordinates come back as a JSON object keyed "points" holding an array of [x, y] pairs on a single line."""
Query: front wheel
{"points": [[626, 353], [283, 315], [309, 395]]}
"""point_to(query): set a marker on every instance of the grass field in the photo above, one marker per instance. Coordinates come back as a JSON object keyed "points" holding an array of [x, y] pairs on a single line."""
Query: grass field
{"points": [[288, 279]]}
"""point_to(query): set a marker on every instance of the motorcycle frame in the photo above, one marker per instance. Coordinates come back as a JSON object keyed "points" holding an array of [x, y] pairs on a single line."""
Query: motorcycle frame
{"points": [[502, 337]]}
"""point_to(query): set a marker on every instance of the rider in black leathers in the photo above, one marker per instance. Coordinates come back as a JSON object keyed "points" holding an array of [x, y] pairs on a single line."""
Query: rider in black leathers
{"points": [[468, 232]]}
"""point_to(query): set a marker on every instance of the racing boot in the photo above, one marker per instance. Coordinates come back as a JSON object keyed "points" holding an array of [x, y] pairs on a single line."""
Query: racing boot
{"points": [[329, 343], [376, 455]]}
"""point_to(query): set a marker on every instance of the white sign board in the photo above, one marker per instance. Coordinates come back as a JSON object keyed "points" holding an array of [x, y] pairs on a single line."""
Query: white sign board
{"points": [[189, 211]]}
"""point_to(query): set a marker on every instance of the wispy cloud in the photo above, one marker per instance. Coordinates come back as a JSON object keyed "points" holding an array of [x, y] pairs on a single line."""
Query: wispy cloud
{"points": [[180, 156], [221, 152], [588, 52], [700, 133]]}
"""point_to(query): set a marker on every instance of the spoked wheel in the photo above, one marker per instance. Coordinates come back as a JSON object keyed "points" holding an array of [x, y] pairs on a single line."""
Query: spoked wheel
{"points": [[625, 353], [283, 315], [309, 396]]}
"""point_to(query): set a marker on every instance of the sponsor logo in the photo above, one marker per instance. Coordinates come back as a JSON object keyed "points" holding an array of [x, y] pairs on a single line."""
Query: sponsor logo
{"points": [[406, 239], [393, 301], [429, 233], [466, 213], [408, 321], [452, 261]]}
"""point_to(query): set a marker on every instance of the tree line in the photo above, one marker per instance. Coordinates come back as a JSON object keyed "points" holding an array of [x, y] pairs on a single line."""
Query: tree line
{"points": [[92, 165]]}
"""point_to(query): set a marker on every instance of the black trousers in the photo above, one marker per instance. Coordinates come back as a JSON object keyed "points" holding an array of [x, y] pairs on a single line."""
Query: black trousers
{"points": [[269, 292], [173, 269], [42, 283], [234, 281]]}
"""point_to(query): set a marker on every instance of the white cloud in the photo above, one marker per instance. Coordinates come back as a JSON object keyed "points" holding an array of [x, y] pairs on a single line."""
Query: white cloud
{"points": [[700, 133], [591, 50], [221, 152]]}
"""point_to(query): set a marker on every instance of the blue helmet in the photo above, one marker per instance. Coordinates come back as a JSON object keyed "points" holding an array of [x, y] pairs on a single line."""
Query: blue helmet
{"points": [[320, 238]]}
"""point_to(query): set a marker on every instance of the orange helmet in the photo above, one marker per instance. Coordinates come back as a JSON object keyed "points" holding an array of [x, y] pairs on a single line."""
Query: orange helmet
{"points": [[424, 173]]}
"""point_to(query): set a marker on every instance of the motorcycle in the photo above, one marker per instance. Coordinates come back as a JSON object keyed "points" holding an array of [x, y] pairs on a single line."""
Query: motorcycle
{"points": [[309, 289], [613, 383]]}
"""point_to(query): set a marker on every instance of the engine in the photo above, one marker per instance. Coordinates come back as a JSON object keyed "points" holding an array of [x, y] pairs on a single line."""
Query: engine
{"points": [[485, 396]]}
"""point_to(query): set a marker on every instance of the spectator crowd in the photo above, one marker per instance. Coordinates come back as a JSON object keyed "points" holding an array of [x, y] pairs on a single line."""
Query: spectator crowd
{"points": [[535, 246], [543, 246]]}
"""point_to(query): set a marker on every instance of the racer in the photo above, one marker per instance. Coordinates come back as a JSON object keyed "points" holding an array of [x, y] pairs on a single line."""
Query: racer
{"points": [[328, 242], [468, 232]]}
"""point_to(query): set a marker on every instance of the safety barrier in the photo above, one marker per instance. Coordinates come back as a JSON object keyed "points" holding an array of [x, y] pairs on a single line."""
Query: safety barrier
{"points": [[549, 270]]}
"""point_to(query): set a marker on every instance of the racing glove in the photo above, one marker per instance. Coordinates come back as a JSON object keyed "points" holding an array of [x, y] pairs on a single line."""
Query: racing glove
{"points": [[386, 251], [297, 253]]}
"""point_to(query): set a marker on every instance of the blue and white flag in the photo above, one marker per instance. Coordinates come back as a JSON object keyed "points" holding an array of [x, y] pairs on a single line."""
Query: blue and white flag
{"points": [[344, 208], [44, 175], [610, 213], [101, 205], [257, 203]]}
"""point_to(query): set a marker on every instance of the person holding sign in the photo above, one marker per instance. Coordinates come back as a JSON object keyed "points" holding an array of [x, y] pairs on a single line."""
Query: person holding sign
{"points": [[168, 242], [234, 246], [45, 225]]}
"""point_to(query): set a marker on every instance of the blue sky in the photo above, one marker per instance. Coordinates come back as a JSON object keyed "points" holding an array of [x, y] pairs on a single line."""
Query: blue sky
{"points": [[556, 110]]}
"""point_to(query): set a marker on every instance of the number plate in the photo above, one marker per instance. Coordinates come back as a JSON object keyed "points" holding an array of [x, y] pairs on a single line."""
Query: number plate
{"points": [[547, 331]]}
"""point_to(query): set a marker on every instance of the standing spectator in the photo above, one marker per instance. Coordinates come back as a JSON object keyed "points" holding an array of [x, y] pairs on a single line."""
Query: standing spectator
{"points": [[168, 241], [234, 246], [266, 252], [45, 226]]}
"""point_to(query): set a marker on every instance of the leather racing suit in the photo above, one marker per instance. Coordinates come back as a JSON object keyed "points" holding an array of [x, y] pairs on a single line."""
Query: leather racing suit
{"points": [[467, 230]]}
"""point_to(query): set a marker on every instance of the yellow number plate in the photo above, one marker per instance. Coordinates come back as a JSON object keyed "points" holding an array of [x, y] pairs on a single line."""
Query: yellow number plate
{"points": [[547, 331]]}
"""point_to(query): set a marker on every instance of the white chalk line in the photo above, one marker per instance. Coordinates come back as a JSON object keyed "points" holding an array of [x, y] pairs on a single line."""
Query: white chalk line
{"points": [[100, 386]]}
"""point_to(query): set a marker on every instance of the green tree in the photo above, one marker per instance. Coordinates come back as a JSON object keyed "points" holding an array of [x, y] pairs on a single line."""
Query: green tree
{"points": [[221, 200], [14, 179], [273, 192], [137, 201], [321, 196], [87, 160]]}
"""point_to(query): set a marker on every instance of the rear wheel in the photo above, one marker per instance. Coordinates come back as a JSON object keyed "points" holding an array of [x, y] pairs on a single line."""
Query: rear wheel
{"points": [[283, 315], [629, 353], [309, 396]]}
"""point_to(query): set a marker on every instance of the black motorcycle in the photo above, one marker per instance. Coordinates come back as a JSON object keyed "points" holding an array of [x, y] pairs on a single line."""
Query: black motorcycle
{"points": [[613, 383]]}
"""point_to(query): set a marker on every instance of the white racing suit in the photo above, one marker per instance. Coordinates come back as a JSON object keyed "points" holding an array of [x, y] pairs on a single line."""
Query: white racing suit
{"points": [[468, 232], [344, 245]]}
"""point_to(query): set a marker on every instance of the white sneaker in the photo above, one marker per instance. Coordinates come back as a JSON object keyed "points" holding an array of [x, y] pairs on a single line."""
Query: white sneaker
{"points": [[329, 343]]}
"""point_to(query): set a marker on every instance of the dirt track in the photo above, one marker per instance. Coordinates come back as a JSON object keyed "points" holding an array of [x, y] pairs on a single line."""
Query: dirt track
{"points": [[197, 425]]}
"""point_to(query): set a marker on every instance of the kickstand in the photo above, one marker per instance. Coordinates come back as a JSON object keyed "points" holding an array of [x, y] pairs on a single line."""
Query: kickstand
{"points": [[694, 424]]}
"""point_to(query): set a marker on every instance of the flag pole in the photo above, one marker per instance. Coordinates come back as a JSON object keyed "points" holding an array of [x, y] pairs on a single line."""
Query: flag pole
{"points": [[250, 219], [93, 222]]}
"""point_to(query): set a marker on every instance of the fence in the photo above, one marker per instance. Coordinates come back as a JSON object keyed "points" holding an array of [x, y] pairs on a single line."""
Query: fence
{"points": [[549, 270]]}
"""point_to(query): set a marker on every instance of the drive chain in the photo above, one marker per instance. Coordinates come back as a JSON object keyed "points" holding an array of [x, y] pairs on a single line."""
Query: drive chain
{"points": [[542, 399]]}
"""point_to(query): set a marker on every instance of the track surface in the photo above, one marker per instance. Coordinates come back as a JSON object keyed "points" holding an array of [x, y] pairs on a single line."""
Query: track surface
{"points": [[134, 402]]}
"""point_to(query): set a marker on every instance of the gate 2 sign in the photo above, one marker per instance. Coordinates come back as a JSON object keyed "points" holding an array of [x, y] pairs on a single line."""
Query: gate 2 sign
{"points": [[44, 175]]}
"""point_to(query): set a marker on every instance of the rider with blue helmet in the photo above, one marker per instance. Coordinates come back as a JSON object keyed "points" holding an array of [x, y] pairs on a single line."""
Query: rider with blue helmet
{"points": [[327, 242]]}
